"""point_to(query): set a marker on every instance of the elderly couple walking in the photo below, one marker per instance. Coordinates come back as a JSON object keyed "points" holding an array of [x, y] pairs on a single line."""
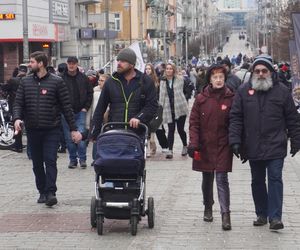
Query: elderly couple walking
{"points": [[254, 124]]}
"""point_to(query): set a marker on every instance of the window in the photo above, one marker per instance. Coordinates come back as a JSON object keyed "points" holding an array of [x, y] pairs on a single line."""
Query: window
{"points": [[117, 22]]}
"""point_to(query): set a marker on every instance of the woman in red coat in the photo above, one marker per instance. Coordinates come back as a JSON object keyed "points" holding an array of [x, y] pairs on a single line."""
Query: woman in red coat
{"points": [[209, 148]]}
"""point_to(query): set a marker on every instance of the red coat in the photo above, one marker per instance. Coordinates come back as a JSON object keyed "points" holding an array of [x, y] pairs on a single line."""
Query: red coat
{"points": [[209, 122]]}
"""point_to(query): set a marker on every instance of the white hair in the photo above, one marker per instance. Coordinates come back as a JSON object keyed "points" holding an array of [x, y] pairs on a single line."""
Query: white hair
{"points": [[261, 84]]}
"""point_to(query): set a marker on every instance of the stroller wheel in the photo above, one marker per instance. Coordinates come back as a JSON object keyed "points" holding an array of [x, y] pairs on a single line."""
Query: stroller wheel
{"points": [[151, 212], [133, 224], [93, 212], [100, 219]]}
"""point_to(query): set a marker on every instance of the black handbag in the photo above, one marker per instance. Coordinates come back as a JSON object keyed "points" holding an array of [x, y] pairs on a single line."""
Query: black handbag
{"points": [[156, 120]]}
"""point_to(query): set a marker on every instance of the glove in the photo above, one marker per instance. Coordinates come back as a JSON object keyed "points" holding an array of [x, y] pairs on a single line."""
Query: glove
{"points": [[191, 151], [236, 149], [294, 151]]}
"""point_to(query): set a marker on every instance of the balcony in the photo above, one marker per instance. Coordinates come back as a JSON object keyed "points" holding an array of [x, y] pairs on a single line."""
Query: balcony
{"points": [[150, 3], [88, 1]]}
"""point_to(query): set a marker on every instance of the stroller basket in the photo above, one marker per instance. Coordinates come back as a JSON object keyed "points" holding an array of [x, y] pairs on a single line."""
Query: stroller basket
{"points": [[119, 153]]}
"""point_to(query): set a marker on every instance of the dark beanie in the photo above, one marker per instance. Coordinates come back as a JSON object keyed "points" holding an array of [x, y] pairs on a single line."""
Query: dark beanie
{"points": [[227, 62], [265, 60], [127, 55]]}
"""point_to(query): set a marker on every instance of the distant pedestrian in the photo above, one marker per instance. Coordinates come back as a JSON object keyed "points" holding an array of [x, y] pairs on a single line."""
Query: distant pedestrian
{"points": [[232, 82], [262, 117], [209, 148], [175, 107], [96, 96], [81, 96]]}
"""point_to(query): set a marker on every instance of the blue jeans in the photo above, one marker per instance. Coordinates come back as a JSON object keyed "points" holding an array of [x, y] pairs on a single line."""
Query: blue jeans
{"points": [[43, 148], [268, 202], [75, 150]]}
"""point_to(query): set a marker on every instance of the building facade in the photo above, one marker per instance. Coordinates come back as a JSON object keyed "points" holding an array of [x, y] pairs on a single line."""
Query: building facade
{"points": [[47, 22]]}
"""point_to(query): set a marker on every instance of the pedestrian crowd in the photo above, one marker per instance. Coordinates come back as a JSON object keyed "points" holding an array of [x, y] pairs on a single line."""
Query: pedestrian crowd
{"points": [[242, 106]]}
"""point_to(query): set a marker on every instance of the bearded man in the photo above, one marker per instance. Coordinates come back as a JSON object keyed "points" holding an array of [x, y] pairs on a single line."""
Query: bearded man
{"points": [[130, 94], [262, 117]]}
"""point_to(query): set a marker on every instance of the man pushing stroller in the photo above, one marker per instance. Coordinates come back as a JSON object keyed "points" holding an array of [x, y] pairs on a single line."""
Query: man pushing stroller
{"points": [[130, 94]]}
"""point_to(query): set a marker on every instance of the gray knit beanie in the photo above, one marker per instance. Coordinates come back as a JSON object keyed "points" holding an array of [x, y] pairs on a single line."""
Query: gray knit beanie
{"points": [[127, 55], [265, 60]]}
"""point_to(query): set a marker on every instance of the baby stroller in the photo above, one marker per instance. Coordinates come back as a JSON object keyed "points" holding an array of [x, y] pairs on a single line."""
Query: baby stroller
{"points": [[121, 177]]}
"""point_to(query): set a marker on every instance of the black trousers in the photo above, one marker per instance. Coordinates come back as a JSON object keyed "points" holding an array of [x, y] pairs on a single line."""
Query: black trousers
{"points": [[180, 128], [43, 147]]}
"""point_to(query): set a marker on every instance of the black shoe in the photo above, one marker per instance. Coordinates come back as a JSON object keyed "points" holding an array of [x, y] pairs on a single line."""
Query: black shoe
{"points": [[260, 221], [226, 223], [42, 198], [83, 164], [18, 150], [51, 200], [276, 224], [208, 217], [72, 165]]}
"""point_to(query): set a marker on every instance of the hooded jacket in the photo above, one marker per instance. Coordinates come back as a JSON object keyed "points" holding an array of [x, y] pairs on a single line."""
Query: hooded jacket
{"points": [[208, 131]]}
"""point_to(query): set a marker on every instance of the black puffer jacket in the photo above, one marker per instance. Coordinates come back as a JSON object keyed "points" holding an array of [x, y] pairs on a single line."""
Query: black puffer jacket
{"points": [[39, 102], [262, 121], [122, 106], [85, 90]]}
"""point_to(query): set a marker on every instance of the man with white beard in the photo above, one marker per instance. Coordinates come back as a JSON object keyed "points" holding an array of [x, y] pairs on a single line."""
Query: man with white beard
{"points": [[263, 115]]}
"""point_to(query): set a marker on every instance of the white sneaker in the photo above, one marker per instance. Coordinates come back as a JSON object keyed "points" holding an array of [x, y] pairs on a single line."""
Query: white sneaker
{"points": [[165, 150], [184, 151], [148, 155], [169, 155]]}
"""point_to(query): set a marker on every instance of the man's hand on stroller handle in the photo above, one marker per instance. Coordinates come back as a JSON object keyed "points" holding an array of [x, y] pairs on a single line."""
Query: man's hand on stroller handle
{"points": [[134, 123]]}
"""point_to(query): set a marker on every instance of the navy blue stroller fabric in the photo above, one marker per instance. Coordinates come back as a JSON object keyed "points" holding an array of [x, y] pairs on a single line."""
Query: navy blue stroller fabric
{"points": [[119, 152]]}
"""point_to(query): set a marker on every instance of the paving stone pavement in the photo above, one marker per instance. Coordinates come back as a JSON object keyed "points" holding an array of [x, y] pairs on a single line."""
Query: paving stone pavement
{"points": [[176, 189], [24, 224]]}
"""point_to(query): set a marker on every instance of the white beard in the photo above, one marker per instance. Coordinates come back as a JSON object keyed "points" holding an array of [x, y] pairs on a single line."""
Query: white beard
{"points": [[262, 84]]}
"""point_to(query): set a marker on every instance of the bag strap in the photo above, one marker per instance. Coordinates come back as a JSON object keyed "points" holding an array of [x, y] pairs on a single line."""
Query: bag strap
{"points": [[143, 92], [244, 76]]}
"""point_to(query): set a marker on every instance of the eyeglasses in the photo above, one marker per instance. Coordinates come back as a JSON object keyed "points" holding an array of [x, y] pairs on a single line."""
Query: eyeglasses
{"points": [[264, 71]]}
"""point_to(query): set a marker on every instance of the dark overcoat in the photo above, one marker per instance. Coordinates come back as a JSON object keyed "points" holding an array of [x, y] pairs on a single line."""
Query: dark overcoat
{"points": [[262, 121]]}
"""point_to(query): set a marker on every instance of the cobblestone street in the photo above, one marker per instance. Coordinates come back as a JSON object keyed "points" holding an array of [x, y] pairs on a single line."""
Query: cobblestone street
{"points": [[176, 189], [24, 224]]}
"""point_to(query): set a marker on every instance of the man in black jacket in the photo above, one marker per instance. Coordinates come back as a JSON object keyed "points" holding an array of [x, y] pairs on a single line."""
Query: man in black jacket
{"points": [[40, 98], [130, 94], [81, 96], [262, 117], [232, 82]]}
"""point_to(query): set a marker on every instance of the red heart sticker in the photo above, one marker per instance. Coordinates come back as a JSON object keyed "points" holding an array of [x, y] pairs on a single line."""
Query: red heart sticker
{"points": [[44, 91], [251, 91], [223, 107]]}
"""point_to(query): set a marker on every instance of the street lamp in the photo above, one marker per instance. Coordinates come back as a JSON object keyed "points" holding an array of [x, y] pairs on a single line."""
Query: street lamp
{"points": [[25, 32], [127, 6]]}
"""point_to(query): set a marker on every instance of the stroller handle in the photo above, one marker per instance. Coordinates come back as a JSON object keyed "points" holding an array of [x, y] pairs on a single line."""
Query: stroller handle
{"points": [[141, 125]]}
